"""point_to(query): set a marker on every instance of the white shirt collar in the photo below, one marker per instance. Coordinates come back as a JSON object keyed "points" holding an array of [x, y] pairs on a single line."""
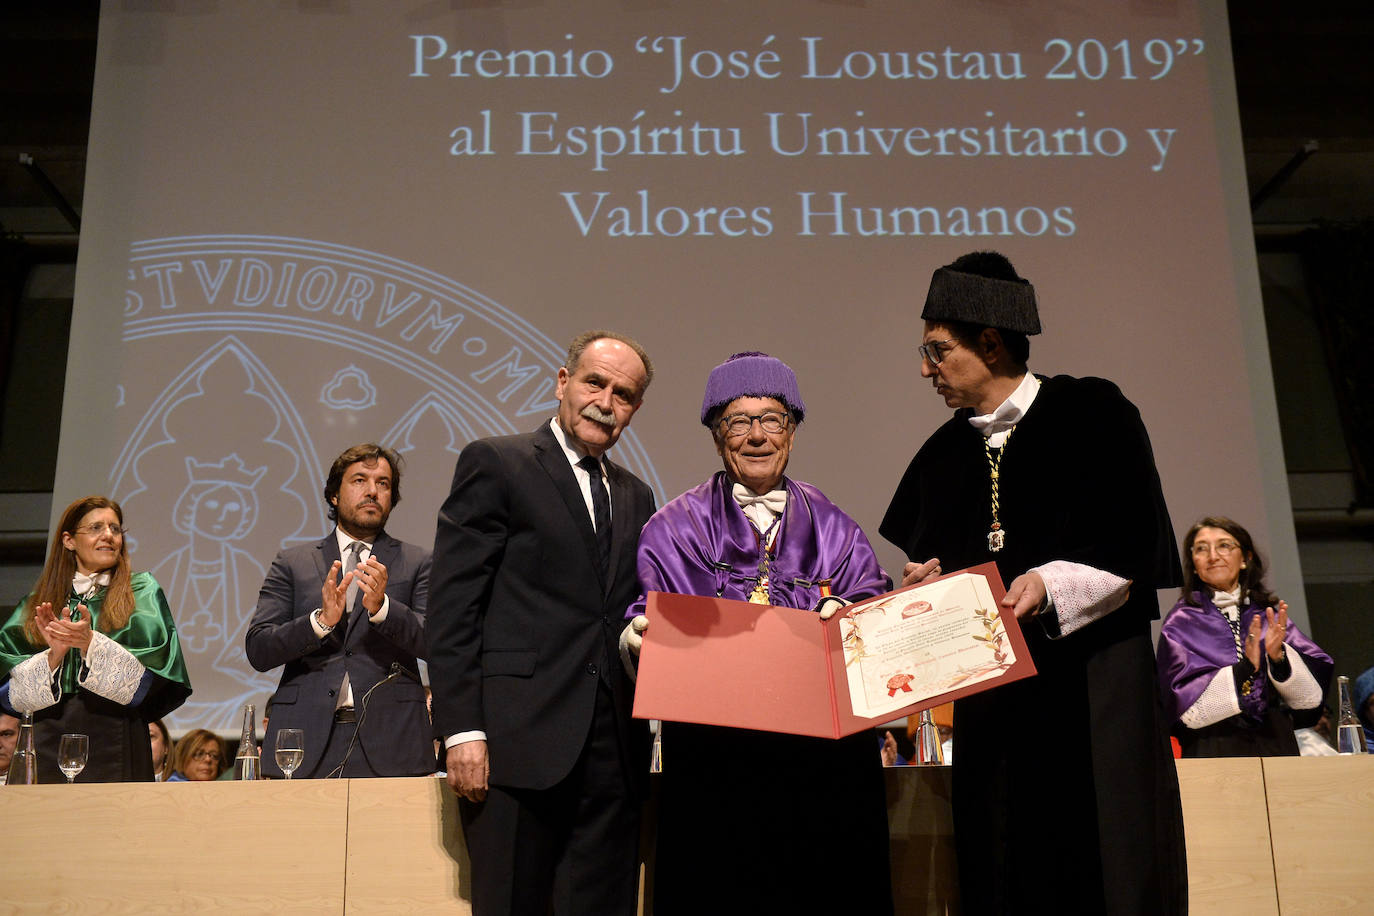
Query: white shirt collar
{"points": [[996, 424], [569, 449], [344, 539]]}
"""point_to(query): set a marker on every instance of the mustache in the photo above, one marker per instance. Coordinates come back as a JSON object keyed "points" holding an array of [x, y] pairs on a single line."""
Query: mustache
{"points": [[604, 417]]}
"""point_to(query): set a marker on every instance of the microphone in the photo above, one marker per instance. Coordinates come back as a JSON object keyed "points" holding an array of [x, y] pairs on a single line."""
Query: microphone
{"points": [[392, 674], [395, 672]]}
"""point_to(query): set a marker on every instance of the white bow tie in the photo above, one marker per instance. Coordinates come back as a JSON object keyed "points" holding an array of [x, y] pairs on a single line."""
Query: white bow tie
{"points": [[774, 500], [1228, 603], [1005, 416], [83, 584]]}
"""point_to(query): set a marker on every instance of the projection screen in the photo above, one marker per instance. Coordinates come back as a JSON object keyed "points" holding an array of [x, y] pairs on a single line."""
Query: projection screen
{"points": [[308, 225]]}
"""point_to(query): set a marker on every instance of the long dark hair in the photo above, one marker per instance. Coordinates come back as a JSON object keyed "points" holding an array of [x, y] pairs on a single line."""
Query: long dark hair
{"points": [[1252, 587], [55, 582]]}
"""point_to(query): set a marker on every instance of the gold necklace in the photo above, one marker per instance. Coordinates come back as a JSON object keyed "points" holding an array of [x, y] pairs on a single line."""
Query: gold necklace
{"points": [[760, 593], [997, 536]]}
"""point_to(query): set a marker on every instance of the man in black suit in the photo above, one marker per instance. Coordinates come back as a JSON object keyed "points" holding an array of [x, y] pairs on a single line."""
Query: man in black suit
{"points": [[344, 615], [535, 566]]}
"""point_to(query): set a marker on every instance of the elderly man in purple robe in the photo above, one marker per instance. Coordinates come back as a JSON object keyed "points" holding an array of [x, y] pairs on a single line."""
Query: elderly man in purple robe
{"points": [[753, 809]]}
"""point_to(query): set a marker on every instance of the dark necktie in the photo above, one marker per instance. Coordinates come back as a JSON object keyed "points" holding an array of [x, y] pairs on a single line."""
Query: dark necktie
{"points": [[601, 512], [352, 552]]}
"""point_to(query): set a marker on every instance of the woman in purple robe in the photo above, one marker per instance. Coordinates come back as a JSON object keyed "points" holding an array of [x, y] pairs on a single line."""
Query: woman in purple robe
{"points": [[753, 821], [1229, 658]]}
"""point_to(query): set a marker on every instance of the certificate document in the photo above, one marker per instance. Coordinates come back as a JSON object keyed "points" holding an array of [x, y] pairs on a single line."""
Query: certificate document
{"points": [[723, 662], [941, 639]]}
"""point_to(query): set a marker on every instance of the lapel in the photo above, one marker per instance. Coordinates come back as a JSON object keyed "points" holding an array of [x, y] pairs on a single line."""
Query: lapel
{"points": [[326, 553], [622, 510], [386, 549], [554, 461]]}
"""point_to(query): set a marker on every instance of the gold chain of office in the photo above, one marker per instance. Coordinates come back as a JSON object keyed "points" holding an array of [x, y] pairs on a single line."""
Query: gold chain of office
{"points": [[997, 535]]}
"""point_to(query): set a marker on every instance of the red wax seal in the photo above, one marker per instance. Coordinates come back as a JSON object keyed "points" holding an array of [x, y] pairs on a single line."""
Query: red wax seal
{"points": [[898, 682], [916, 607]]}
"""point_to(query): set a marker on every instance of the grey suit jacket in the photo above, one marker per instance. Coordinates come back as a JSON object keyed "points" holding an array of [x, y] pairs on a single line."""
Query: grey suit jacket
{"points": [[395, 739]]}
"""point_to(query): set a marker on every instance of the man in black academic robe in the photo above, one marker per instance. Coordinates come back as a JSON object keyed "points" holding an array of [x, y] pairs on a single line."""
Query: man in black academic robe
{"points": [[1065, 793]]}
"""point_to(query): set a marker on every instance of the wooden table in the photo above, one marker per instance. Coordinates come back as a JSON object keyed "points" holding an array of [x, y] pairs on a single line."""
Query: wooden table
{"points": [[1274, 836]]}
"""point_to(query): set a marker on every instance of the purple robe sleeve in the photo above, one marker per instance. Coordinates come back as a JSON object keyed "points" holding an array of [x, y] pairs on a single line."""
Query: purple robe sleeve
{"points": [[1193, 646], [1316, 660]]}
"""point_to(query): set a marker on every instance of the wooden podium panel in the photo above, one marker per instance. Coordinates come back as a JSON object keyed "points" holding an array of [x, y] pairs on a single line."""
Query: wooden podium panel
{"points": [[1321, 816], [920, 828], [262, 847], [405, 848], [1230, 869], [395, 846]]}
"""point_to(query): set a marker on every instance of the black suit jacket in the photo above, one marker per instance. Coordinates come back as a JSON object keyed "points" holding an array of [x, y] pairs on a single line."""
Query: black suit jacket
{"points": [[523, 627], [396, 736]]}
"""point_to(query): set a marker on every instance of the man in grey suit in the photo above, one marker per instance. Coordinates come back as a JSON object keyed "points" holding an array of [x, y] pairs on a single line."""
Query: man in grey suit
{"points": [[345, 616], [534, 568]]}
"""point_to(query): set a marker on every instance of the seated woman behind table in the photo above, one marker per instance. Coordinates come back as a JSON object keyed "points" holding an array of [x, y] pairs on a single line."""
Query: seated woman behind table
{"points": [[754, 821], [199, 757], [161, 744], [1229, 658], [93, 650]]}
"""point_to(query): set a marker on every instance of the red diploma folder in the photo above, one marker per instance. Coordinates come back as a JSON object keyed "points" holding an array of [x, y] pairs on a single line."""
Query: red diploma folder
{"points": [[720, 662]]}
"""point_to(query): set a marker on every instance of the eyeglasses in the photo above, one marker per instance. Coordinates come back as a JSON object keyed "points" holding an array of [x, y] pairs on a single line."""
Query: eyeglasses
{"points": [[932, 353], [99, 528], [737, 425], [205, 754], [1202, 548]]}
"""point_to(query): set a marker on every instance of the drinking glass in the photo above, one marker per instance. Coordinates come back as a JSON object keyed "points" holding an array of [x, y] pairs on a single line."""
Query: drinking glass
{"points": [[290, 752], [71, 755]]}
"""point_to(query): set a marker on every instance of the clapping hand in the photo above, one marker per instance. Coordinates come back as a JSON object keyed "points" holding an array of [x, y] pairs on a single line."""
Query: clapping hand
{"points": [[1271, 629], [371, 577], [70, 631], [1276, 632], [334, 595]]}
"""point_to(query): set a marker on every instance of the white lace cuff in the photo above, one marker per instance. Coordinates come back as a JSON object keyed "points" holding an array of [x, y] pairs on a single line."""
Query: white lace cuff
{"points": [[1217, 703], [111, 670], [1301, 690], [1080, 594], [32, 683]]}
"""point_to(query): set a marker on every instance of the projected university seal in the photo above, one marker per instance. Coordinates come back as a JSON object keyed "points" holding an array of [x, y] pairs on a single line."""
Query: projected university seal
{"points": [[249, 361]]}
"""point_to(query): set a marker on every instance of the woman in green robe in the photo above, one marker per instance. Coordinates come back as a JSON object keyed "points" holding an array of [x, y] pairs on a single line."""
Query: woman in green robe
{"points": [[93, 650]]}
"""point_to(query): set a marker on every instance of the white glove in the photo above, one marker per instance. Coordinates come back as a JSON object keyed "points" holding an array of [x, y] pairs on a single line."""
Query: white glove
{"points": [[631, 641], [828, 605]]}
